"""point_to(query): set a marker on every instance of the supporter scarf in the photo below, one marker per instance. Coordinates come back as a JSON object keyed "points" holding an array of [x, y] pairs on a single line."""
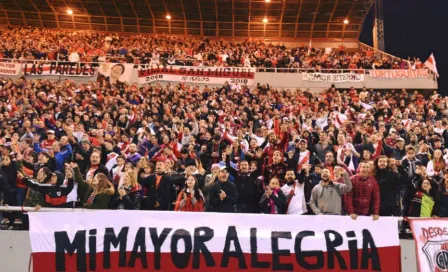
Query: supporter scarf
{"points": [[290, 196], [303, 161], [272, 203]]}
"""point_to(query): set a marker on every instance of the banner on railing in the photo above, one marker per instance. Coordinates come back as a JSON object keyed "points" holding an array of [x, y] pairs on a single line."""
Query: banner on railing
{"points": [[329, 77], [77, 69], [397, 74], [190, 74], [431, 242], [9, 69], [115, 73], [181, 241]]}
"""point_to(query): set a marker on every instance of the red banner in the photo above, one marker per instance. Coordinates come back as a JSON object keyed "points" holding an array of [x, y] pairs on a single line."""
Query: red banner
{"points": [[399, 73]]}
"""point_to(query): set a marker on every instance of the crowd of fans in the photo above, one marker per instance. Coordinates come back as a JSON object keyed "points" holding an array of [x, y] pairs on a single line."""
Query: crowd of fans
{"points": [[222, 149], [90, 46]]}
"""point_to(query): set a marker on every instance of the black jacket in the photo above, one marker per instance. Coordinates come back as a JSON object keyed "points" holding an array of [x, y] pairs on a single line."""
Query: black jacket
{"points": [[228, 203], [163, 193], [279, 201], [248, 187], [390, 184], [130, 201]]}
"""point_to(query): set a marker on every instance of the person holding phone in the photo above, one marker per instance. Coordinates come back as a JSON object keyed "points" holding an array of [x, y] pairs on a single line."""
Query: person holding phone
{"points": [[190, 199]]}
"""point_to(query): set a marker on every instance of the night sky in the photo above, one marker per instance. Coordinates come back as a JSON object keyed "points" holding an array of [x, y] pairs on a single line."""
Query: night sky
{"points": [[415, 28]]}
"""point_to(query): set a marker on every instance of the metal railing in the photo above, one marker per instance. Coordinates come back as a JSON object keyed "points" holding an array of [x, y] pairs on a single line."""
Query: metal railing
{"points": [[378, 53], [43, 209]]}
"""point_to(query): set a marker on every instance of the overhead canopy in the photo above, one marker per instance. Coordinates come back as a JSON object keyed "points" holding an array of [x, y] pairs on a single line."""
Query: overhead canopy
{"points": [[228, 18]]}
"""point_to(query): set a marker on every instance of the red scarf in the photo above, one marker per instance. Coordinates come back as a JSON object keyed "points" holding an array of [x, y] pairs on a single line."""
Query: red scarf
{"points": [[291, 194]]}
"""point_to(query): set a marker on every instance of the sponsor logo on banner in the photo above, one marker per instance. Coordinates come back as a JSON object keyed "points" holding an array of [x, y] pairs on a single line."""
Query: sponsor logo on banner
{"points": [[399, 73], [181, 241], [327, 77], [115, 73], [431, 242], [60, 69], [9, 69], [210, 75]]}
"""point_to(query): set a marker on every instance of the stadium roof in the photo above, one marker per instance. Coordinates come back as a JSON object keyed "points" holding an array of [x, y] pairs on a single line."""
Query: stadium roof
{"points": [[229, 18]]}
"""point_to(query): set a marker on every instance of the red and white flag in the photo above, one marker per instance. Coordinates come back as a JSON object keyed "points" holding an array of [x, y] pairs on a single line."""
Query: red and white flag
{"points": [[339, 119], [431, 64], [119, 241]]}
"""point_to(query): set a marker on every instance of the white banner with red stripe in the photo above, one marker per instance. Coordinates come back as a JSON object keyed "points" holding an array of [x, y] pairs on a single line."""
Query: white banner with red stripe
{"points": [[431, 243], [76, 69], [10, 69], [191, 74], [397, 74], [330, 77], [182, 241]]}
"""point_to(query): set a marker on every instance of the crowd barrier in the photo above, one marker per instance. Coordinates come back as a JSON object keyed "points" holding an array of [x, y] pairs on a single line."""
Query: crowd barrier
{"points": [[111, 240]]}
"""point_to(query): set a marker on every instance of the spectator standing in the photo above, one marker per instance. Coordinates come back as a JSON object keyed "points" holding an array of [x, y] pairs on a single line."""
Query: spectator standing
{"points": [[364, 198], [326, 197], [223, 194]]}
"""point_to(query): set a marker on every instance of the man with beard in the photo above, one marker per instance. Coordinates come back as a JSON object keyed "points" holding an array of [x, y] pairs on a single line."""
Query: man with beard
{"points": [[326, 197], [96, 166], [390, 184], [297, 192], [249, 190], [275, 144], [364, 198]]}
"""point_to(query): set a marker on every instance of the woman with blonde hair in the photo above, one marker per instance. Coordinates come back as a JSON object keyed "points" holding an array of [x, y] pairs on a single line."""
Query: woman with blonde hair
{"points": [[436, 165], [129, 192], [95, 194]]}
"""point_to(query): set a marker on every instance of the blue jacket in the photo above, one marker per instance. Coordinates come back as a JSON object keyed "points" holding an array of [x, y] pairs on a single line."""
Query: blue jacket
{"points": [[60, 157]]}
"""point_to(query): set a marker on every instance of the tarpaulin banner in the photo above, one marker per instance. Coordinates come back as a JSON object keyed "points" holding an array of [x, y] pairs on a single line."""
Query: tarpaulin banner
{"points": [[399, 73], [9, 69], [182, 241], [328, 77], [115, 73], [78, 69], [431, 243], [191, 74]]}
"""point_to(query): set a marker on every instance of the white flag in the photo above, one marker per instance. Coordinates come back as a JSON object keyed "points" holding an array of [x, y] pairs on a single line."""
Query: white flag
{"points": [[339, 119], [366, 106], [431, 64]]}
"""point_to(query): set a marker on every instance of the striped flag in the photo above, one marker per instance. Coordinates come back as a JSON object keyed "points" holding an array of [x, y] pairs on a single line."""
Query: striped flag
{"points": [[339, 119], [431, 64]]}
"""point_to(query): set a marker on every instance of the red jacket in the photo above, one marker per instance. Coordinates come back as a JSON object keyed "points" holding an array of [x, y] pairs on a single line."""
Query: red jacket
{"points": [[364, 198]]}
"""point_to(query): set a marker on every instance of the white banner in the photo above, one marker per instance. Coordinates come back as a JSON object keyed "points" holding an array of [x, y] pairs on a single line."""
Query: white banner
{"points": [[431, 242], [9, 69], [77, 69], [399, 73], [328, 77], [192, 74], [185, 241], [115, 73]]}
